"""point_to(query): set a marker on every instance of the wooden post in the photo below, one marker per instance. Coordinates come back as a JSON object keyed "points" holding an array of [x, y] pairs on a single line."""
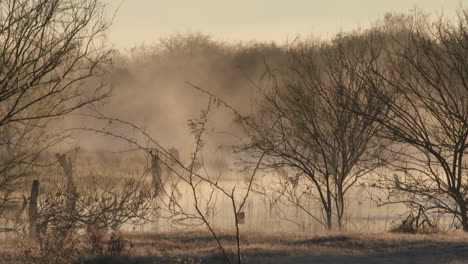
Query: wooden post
{"points": [[156, 171], [72, 194], [157, 180], [33, 212]]}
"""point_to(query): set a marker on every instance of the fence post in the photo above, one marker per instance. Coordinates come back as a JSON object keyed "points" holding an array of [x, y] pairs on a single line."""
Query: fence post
{"points": [[33, 212], [71, 188]]}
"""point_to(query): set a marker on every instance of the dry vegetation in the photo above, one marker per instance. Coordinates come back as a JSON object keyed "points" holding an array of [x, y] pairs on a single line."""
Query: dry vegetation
{"points": [[384, 109], [181, 246]]}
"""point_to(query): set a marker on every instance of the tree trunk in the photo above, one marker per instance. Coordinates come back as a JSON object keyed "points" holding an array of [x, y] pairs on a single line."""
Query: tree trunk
{"points": [[33, 232], [339, 221], [329, 219], [464, 216], [340, 208]]}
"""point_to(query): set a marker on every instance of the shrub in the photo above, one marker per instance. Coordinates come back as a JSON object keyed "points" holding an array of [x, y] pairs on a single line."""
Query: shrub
{"points": [[419, 224], [116, 244]]}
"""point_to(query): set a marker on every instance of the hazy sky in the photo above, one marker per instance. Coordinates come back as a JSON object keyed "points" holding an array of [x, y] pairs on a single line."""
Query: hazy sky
{"points": [[145, 21]]}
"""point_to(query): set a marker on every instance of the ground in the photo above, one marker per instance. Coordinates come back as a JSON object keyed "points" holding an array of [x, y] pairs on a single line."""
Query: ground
{"points": [[153, 248]]}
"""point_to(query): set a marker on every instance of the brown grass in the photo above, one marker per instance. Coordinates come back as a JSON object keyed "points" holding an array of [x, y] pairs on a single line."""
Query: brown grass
{"points": [[282, 248]]}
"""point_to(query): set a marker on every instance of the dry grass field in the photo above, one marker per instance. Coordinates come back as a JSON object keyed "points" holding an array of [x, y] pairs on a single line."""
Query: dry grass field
{"points": [[180, 247]]}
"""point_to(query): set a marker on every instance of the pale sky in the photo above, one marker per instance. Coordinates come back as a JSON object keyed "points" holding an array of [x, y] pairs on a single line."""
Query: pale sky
{"points": [[145, 21]]}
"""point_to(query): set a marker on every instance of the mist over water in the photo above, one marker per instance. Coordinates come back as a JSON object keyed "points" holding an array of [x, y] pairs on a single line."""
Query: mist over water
{"points": [[151, 88]]}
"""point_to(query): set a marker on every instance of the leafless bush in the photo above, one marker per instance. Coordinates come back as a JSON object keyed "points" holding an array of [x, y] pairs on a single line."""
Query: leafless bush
{"points": [[116, 244], [101, 205], [418, 223], [53, 249], [96, 238]]}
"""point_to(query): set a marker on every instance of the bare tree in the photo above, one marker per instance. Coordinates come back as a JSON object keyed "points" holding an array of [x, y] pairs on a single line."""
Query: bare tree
{"points": [[50, 52], [425, 88], [306, 125], [48, 49]]}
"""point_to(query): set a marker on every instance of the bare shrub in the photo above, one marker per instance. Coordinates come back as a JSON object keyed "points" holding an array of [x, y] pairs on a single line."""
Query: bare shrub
{"points": [[116, 243], [418, 223], [53, 250], [96, 239]]}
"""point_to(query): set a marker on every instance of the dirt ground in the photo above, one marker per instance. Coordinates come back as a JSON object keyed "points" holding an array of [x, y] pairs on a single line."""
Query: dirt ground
{"points": [[177, 247]]}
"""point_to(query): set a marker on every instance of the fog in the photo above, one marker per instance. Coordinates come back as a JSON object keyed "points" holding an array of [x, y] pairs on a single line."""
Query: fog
{"points": [[152, 87]]}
